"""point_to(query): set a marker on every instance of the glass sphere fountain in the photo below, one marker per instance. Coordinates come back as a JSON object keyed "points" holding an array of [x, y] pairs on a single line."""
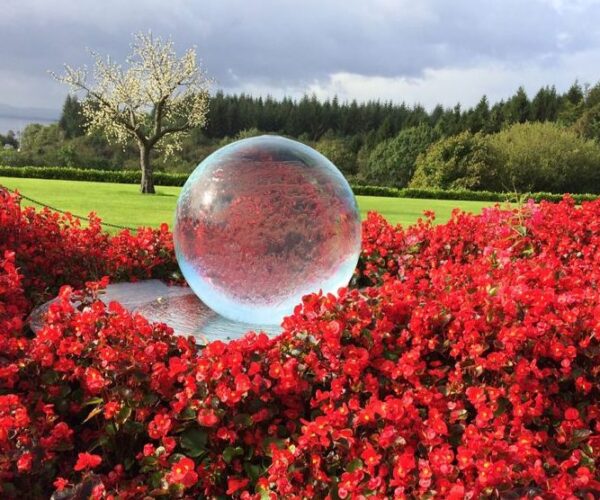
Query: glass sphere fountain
{"points": [[259, 223], [262, 222]]}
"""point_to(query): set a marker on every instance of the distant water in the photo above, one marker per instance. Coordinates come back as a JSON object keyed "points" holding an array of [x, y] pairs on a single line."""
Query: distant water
{"points": [[18, 124]]}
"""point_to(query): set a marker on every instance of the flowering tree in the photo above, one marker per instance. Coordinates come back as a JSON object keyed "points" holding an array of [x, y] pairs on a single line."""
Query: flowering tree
{"points": [[154, 102]]}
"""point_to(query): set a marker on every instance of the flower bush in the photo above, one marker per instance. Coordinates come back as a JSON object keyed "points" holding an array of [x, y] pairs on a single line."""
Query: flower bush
{"points": [[462, 362], [53, 250]]}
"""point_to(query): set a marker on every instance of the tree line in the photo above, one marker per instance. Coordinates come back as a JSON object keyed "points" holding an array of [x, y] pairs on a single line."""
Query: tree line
{"points": [[373, 142], [311, 118]]}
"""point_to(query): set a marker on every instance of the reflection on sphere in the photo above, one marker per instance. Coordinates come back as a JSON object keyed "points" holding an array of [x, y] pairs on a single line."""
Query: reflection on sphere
{"points": [[262, 222]]}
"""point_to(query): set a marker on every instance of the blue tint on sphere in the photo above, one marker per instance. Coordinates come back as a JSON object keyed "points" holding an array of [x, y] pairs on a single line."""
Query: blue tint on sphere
{"points": [[262, 222]]}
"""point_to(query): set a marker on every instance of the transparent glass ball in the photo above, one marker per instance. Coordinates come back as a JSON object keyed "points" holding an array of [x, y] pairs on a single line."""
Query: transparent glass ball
{"points": [[262, 222]]}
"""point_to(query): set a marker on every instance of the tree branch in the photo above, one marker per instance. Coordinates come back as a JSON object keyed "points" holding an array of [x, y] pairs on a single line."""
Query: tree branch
{"points": [[169, 130]]}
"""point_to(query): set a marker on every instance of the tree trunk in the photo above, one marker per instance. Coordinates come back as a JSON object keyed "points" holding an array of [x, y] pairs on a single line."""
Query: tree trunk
{"points": [[147, 185]]}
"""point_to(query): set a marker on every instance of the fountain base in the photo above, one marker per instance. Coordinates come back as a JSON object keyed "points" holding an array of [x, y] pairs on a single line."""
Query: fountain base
{"points": [[176, 306]]}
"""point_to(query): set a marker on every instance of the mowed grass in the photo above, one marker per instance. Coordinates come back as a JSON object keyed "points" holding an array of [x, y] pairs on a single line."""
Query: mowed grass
{"points": [[123, 205]]}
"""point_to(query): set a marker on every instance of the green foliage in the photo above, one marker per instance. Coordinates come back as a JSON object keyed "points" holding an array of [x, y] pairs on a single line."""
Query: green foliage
{"points": [[48, 145], [575, 93], [14, 158], [545, 157], [93, 175], [392, 162], [372, 143], [592, 95], [40, 139], [497, 118], [450, 122], [340, 153], [570, 113], [571, 105], [518, 107], [545, 105], [246, 134], [455, 194], [588, 125], [478, 119], [523, 158], [463, 161], [72, 120], [9, 139], [178, 179], [366, 190]]}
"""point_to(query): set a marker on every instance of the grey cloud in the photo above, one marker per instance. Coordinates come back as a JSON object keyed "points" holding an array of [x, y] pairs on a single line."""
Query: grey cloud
{"points": [[279, 43]]}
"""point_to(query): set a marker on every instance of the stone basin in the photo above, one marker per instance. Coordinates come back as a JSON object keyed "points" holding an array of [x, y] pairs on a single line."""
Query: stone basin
{"points": [[176, 306]]}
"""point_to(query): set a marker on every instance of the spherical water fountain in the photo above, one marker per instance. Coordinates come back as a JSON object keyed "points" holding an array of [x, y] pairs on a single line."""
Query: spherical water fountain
{"points": [[262, 222], [259, 223]]}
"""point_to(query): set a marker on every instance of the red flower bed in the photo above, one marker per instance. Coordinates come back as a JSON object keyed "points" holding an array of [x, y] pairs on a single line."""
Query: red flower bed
{"points": [[463, 362]]}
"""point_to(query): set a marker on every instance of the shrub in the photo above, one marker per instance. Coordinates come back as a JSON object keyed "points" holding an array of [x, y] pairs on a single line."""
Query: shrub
{"points": [[525, 157], [392, 162], [339, 152], [54, 250], [389, 192], [463, 161], [92, 175], [457, 194], [15, 158], [462, 362], [546, 157]]}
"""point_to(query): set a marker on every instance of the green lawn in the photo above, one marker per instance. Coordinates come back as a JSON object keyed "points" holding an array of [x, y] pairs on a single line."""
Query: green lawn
{"points": [[122, 204]]}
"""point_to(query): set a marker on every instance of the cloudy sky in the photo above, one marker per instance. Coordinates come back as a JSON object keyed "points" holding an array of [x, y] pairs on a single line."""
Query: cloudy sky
{"points": [[417, 51]]}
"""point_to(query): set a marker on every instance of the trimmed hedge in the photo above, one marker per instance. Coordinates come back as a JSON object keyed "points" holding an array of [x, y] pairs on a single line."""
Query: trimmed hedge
{"points": [[462, 194], [80, 174], [387, 192], [178, 179]]}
